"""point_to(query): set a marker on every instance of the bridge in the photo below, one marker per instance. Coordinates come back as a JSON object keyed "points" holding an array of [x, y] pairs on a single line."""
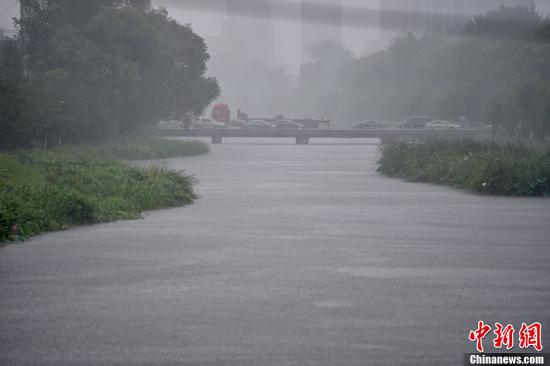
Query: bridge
{"points": [[303, 136]]}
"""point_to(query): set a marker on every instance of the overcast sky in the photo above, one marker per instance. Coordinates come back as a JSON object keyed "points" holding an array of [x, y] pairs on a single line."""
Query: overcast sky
{"points": [[8, 10], [286, 33], [204, 23], [209, 24]]}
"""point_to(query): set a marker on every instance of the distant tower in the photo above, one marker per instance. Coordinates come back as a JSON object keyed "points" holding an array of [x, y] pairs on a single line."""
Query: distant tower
{"points": [[320, 20]]}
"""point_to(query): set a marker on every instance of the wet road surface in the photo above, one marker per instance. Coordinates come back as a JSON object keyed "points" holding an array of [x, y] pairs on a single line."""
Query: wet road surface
{"points": [[295, 255]]}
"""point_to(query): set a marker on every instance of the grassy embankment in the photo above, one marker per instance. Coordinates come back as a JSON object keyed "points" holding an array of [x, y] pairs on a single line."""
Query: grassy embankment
{"points": [[508, 169], [46, 190]]}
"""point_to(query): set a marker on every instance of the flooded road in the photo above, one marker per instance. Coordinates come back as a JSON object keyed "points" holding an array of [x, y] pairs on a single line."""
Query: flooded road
{"points": [[295, 255]]}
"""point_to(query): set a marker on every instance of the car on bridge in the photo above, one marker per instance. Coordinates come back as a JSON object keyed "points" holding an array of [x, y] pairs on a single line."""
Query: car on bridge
{"points": [[372, 125], [287, 123], [415, 123], [208, 123], [257, 123], [441, 125], [236, 123]]}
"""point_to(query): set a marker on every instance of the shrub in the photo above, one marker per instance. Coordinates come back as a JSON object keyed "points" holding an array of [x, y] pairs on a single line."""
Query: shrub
{"points": [[512, 169], [45, 190]]}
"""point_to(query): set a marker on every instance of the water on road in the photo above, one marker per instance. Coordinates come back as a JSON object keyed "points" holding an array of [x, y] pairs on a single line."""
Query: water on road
{"points": [[295, 255]]}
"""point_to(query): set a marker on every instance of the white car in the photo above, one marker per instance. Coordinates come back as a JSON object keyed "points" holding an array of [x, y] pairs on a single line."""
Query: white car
{"points": [[441, 125], [257, 123], [288, 124], [208, 123]]}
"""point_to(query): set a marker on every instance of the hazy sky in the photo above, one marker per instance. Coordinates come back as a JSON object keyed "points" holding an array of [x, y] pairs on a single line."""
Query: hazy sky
{"points": [[202, 22], [286, 32], [209, 25], [8, 10]]}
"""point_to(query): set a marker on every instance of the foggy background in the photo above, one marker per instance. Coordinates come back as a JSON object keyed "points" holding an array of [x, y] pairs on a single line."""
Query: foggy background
{"points": [[258, 47]]}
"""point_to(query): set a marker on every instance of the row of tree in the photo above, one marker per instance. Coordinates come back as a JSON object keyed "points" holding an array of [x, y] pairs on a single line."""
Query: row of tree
{"points": [[495, 70], [88, 69]]}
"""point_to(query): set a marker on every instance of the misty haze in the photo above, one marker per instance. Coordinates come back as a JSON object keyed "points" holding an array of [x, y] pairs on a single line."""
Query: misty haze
{"points": [[274, 182]]}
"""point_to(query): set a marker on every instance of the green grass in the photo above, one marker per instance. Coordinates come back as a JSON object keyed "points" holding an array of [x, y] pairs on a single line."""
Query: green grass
{"points": [[141, 149], [46, 190], [510, 169]]}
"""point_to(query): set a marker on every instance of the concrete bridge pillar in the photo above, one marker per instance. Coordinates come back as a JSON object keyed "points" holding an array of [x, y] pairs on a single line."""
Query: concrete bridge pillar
{"points": [[216, 139], [302, 140]]}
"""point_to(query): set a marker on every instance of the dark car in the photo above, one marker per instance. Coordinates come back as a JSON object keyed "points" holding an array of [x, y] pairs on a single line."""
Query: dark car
{"points": [[369, 125], [286, 123], [415, 123]]}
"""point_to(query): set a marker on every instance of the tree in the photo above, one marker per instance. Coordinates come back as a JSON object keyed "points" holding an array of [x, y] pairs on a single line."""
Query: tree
{"points": [[320, 79], [13, 103], [11, 61], [528, 104], [493, 72], [101, 67], [508, 22]]}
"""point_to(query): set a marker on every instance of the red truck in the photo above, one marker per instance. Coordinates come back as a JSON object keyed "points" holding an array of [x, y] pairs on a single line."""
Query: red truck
{"points": [[221, 113]]}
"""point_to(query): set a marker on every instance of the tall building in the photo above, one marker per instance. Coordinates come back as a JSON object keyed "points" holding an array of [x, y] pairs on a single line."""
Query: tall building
{"points": [[320, 20]]}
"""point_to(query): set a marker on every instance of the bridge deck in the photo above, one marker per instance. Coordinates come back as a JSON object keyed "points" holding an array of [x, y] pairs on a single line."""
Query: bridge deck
{"points": [[303, 136]]}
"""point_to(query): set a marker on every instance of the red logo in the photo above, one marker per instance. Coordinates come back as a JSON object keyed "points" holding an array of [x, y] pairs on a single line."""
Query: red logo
{"points": [[529, 335], [478, 334], [504, 336]]}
